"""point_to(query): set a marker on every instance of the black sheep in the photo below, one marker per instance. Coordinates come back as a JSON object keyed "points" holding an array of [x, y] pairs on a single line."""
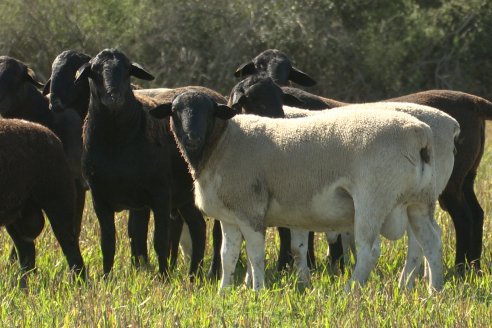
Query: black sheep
{"points": [[129, 160]]}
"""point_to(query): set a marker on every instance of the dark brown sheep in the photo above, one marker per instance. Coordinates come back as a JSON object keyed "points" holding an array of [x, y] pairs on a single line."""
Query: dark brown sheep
{"points": [[19, 98], [34, 176], [458, 198]]}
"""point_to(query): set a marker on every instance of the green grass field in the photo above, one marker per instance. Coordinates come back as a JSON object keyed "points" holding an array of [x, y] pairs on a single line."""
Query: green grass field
{"points": [[140, 299]]}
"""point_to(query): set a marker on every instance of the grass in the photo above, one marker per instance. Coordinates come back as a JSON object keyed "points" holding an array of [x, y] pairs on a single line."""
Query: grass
{"points": [[133, 298]]}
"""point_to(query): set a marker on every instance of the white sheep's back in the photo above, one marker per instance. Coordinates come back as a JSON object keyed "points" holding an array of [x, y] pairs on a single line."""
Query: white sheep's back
{"points": [[444, 127]]}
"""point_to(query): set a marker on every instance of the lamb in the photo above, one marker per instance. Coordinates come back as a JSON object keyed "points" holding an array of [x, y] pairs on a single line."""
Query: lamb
{"points": [[119, 139], [458, 198], [19, 98], [34, 176], [246, 172]]}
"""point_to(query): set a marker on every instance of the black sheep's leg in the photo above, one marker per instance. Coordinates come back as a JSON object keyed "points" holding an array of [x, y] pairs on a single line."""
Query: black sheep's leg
{"points": [[25, 250], [175, 230], [105, 216], [79, 205], [336, 253], [475, 246], [459, 211], [284, 257], [61, 217], [29, 227], [197, 227], [138, 226], [215, 266], [311, 260], [162, 211]]}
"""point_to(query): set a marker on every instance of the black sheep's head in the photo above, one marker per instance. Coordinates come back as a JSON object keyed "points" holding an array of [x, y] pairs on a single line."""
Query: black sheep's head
{"points": [[64, 93], [109, 76], [260, 95], [193, 118], [16, 79], [278, 66]]}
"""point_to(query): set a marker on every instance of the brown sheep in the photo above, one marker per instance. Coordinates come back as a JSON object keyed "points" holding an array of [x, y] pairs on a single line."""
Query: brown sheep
{"points": [[34, 176]]}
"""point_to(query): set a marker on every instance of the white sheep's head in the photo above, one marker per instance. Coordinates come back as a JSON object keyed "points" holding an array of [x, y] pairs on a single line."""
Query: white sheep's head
{"points": [[193, 116], [109, 77]]}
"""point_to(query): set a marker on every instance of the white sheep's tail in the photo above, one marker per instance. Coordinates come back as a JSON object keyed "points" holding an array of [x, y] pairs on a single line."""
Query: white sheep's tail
{"points": [[426, 163]]}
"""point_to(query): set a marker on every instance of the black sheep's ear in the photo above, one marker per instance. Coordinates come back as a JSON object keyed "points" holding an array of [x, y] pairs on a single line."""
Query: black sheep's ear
{"points": [[47, 87], [83, 72], [224, 112], [162, 111], [245, 70], [139, 72], [291, 100], [236, 101], [30, 78], [301, 78]]}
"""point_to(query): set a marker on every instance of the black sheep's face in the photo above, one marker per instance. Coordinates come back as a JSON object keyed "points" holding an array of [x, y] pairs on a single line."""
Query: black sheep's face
{"points": [[109, 77], [278, 66], [257, 95], [64, 92], [15, 79]]}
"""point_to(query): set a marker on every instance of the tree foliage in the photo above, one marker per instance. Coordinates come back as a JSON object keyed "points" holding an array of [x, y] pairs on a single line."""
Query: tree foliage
{"points": [[356, 49]]}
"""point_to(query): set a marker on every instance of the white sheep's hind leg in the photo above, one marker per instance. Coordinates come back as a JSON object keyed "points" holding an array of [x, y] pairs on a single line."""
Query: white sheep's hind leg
{"points": [[229, 252], [185, 243], [299, 246], [428, 234], [413, 261], [367, 226], [255, 247], [248, 279]]}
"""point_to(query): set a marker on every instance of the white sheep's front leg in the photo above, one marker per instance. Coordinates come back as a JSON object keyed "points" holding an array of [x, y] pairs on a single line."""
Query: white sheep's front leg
{"points": [[428, 234], [413, 261], [299, 246], [255, 247], [229, 252]]}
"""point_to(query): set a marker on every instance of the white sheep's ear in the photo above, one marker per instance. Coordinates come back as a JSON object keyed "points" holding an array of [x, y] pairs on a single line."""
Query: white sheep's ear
{"points": [[245, 70], [301, 78], [30, 78], [139, 72], [224, 112], [162, 111], [47, 87], [83, 72]]}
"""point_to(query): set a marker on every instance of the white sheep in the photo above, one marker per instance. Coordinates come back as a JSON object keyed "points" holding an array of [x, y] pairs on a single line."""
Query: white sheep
{"points": [[445, 129], [370, 171]]}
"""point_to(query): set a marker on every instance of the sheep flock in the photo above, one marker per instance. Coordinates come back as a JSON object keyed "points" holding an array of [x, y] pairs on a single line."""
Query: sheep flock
{"points": [[270, 154]]}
